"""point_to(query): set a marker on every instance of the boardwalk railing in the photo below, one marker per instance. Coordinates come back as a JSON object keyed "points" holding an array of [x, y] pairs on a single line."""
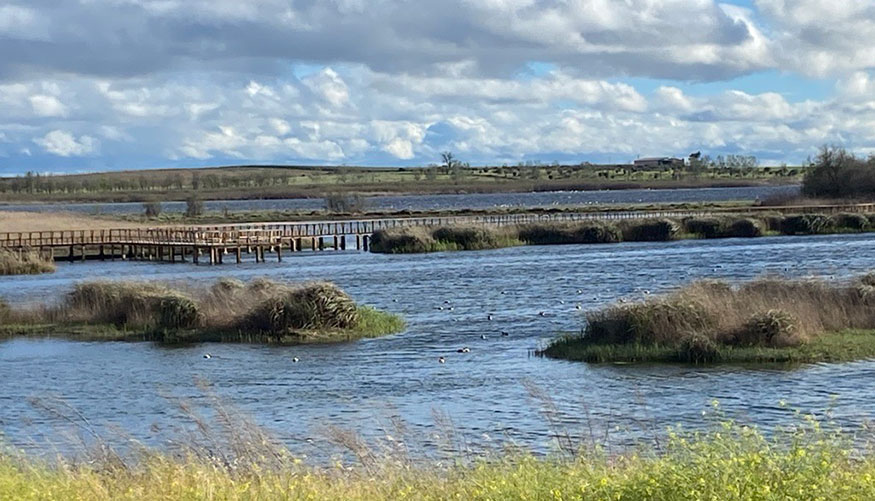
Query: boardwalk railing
{"points": [[290, 234]]}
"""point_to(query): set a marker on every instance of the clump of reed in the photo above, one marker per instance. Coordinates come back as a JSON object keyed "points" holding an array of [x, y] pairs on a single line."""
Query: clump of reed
{"points": [[724, 227], [587, 232], [851, 221], [314, 306], [24, 263], [447, 238], [134, 304], [412, 240], [420, 239], [806, 224], [698, 322], [230, 310], [650, 230]]}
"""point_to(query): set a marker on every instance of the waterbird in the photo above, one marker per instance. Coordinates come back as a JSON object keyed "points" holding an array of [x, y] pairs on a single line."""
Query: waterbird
{"points": [[446, 301], [451, 308], [505, 333], [578, 307], [464, 350], [207, 355], [441, 308], [579, 291], [561, 301], [482, 336], [489, 317], [542, 313], [442, 360], [295, 360]]}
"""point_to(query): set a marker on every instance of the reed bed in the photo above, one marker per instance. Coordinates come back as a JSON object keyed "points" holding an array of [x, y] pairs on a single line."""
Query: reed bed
{"points": [[728, 461], [449, 238], [24, 263], [770, 319], [229, 310]]}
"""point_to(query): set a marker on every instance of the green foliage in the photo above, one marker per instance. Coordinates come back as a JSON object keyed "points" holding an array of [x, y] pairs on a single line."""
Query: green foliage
{"points": [[726, 461]]}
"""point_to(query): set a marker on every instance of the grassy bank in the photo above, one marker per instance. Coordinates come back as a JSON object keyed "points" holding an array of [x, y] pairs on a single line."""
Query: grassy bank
{"points": [[261, 311], [24, 263], [730, 462], [764, 321], [435, 238]]}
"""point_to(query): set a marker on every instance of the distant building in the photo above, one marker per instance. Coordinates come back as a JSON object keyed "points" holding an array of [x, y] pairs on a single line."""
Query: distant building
{"points": [[659, 163]]}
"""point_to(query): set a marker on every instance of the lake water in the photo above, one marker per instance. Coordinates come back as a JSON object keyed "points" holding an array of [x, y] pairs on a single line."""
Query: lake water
{"points": [[445, 202], [364, 385]]}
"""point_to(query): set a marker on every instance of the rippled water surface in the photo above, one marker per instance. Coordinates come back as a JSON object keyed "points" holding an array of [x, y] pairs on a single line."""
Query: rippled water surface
{"points": [[362, 385], [446, 202]]}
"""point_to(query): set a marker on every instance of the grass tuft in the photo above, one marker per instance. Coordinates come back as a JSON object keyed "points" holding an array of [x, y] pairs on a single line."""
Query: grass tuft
{"points": [[262, 311], [769, 319], [24, 263]]}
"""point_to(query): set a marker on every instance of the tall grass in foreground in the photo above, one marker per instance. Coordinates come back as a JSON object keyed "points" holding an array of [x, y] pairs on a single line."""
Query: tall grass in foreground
{"points": [[229, 310], [24, 263], [712, 321], [448, 238], [728, 462]]}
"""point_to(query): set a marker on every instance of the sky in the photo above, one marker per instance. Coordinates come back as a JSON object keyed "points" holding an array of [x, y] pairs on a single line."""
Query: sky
{"points": [[95, 85]]}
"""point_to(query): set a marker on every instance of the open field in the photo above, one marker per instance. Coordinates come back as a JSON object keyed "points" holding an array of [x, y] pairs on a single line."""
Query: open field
{"points": [[58, 221], [264, 182], [767, 320]]}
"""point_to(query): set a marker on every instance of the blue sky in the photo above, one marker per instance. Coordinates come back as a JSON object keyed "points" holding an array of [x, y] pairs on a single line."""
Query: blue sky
{"points": [[90, 85]]}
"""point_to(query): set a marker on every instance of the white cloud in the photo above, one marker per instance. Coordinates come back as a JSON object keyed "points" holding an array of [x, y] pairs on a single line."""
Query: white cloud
{"points": [[64, 144], [400, 148], [47, 106], [370, 82]]}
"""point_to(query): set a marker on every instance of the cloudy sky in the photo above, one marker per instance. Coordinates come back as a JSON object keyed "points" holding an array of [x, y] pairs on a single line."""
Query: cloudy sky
{"points": [[112, 84]]}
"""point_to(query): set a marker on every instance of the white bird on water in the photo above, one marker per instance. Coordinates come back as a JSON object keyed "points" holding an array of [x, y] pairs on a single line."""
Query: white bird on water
{"points": [[207, 355], [442, 360], [295, 360]]}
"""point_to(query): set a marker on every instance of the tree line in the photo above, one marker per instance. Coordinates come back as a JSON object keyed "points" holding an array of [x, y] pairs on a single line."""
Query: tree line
{"points": [[838, 173]]}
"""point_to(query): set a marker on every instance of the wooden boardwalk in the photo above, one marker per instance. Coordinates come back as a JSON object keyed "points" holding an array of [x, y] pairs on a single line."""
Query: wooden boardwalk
{"points": [[215, 243]]}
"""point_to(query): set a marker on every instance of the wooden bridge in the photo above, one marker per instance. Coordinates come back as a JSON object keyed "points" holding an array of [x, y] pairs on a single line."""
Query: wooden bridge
{"points": [[216, 243]]}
